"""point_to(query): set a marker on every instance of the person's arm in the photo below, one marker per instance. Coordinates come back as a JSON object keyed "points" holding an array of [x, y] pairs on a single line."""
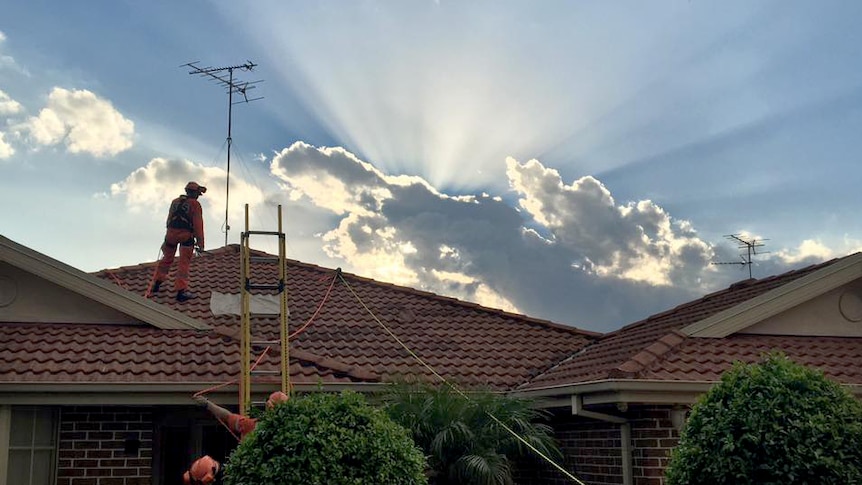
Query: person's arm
{"points": [[198, 222], [219, 412]]}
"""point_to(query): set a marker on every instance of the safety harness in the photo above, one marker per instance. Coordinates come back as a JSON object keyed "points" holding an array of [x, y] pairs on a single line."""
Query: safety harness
{"points": [[181, 217]]}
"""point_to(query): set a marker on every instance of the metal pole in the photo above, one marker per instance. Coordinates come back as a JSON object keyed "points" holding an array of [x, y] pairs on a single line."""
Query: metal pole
{"points": [[227, 183]]}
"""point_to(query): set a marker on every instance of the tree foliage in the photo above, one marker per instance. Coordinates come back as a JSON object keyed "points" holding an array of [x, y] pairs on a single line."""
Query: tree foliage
{"points": [[326, 439], [463, 443], [772, 422]]}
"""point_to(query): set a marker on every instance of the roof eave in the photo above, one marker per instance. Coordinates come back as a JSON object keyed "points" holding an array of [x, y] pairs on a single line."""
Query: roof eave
{"points": [[777, 300], [629, 391], [94, 288]]}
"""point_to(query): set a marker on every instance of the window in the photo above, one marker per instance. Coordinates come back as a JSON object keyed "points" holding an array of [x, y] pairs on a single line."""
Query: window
{"points": [[32, 445]]}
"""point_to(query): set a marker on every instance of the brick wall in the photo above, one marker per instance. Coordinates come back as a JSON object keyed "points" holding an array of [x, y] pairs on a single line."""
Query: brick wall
{"points": [[654, 436], [591, 451], [92, 446]]}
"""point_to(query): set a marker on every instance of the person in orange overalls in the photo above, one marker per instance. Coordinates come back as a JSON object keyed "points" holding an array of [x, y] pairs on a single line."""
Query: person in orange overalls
{"points": [[203, 471], [185, 228], [237, 423]]}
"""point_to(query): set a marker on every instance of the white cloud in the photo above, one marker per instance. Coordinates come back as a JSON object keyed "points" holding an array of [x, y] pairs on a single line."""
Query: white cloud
{"points": [[574, 259], [6, 149], [8, 106], [808, 250], [150, 189], [637, 241], [84, 122]]}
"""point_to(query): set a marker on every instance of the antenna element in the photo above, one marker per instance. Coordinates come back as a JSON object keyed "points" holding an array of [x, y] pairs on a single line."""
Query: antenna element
{"points": [[750, 245], [217, 74]]}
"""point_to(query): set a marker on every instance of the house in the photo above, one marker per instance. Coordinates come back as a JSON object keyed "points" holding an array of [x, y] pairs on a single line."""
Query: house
{"points": [[96, 380], [620, 402]]}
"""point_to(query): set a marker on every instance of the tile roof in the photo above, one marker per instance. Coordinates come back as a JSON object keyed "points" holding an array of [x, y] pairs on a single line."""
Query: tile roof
{"points": [[95, 353], [464, 342], [655, 348]]}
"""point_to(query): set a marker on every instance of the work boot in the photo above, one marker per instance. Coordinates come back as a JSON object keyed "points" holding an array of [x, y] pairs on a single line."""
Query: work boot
{"points": [[155, 289], [184, 295]]}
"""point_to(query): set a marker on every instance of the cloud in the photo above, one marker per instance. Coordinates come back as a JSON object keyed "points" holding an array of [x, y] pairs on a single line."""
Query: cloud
{"points": [[637, 241], [570, 253], [84, 122], [809, 251], [6, 149], [150, 189], [8, 106], [7, 61]]}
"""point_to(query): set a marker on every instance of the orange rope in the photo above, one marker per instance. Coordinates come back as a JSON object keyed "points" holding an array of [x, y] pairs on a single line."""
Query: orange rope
{"points": [[319, 308], [224, 384], [116, 280]]}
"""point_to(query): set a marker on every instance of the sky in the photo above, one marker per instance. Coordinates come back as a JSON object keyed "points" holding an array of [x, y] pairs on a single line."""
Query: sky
{"points": [[577, 161]]}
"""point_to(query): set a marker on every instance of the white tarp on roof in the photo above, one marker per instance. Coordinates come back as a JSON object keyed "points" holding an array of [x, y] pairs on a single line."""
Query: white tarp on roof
{"points": [[229, 304]]}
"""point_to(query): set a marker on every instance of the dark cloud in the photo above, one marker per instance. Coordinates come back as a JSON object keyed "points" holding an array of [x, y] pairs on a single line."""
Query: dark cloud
{"points": [[590, 262]]}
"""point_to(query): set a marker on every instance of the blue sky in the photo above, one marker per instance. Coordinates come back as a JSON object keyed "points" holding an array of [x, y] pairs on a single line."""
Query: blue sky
{"points": [[571, 160]]}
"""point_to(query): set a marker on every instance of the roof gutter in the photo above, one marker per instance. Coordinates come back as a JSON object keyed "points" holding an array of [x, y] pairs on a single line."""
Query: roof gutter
{"points": [[167, 394]]}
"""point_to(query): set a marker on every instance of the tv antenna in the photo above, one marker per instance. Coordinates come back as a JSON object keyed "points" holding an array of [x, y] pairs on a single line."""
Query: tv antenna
{"points": [[750, 245], [223, 76]]}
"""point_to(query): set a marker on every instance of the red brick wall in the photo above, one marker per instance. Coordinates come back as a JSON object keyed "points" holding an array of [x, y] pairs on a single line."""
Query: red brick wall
{"points": [[654, 437], [91, 450], [591, 452]]}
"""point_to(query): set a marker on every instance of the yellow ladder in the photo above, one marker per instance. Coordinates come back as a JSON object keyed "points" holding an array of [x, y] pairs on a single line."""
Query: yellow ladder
{"points": [[246, 288]]}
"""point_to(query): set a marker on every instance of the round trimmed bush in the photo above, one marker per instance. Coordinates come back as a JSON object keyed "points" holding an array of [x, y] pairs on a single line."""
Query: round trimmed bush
{"points": [[772, 422], [326, 439]]}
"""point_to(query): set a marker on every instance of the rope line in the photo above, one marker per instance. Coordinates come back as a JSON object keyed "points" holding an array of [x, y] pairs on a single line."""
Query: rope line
{"points": [[225, 384], [455, 388], [319, 307]]}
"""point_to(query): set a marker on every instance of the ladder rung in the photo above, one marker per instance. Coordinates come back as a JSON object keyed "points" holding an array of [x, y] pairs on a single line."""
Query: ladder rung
{"points": [[250, 286], [263, 259], [266, 342], [266, 233], [266, 372]]}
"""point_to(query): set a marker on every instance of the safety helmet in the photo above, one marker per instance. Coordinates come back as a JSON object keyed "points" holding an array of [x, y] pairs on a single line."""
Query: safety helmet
{"points": [[276, 398], [195, 187], [203, 471]]}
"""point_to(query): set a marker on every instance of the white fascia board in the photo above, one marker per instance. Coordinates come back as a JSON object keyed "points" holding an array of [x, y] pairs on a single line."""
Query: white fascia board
{"points": [[630, 391], [131, 394], [778, 300]]}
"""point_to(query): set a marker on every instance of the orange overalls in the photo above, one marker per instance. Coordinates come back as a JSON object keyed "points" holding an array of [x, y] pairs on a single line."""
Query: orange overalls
{"points": [[185, 224]]}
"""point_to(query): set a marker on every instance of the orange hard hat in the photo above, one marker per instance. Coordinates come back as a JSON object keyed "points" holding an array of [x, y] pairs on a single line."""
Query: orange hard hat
{"points": [[276, 398], [203, 471], [195, 187]]}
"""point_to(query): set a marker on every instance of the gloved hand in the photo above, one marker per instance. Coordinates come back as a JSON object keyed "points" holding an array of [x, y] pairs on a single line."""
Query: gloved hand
{"points": [[202, 401]]}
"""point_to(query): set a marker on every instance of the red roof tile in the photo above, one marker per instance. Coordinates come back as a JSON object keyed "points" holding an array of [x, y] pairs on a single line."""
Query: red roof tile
{"points": [[655, 348], [464, 342], [138, 354]]}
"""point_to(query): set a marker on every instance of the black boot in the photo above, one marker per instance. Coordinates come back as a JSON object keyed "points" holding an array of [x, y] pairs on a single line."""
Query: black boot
{"points": [[184, 295], [155, 288]]}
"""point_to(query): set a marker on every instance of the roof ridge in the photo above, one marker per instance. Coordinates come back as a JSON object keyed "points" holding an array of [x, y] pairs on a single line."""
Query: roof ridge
{"points": [[649, 355], [226, 250], [738, 285], [474, 305]]}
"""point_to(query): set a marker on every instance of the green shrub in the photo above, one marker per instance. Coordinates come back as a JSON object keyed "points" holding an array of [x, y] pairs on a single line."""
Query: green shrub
{"points": [[773, 422], [325, 439], [464, 445]]}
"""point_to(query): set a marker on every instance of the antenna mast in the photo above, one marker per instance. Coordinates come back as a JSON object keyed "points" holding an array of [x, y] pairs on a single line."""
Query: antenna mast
{"points": [[750, 245], [217, 75]]}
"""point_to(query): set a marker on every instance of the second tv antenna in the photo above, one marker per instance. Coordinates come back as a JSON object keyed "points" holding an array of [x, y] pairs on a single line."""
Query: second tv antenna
{"points": [[750, 245], [223, 76]]}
